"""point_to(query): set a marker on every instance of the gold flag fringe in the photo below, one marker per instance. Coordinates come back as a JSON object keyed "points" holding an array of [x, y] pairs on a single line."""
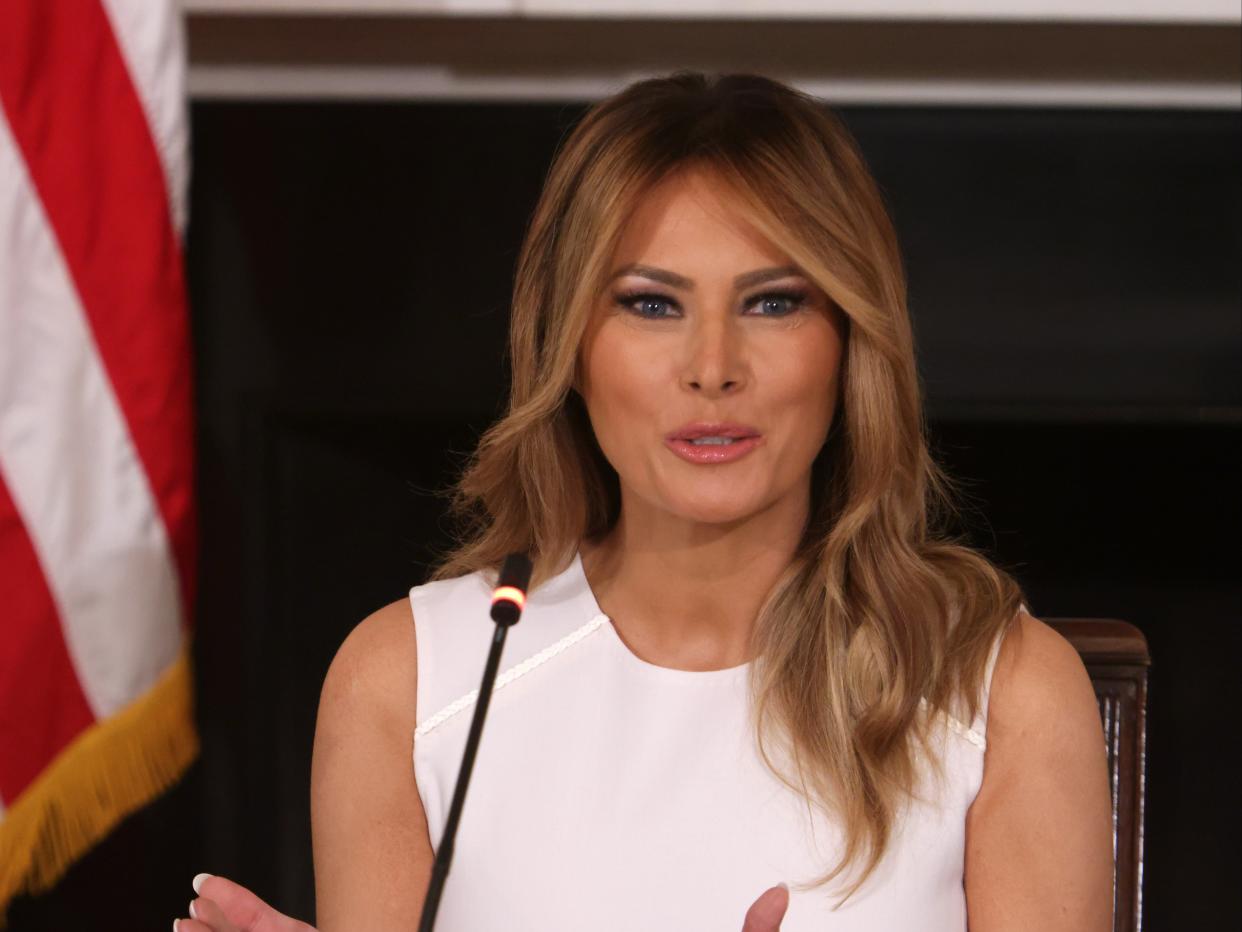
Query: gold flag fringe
{"points": [[111, 769]]}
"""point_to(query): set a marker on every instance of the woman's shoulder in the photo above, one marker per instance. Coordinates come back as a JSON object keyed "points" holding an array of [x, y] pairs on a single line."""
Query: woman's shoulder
{"points": [[375, 668], [1039, 677], [368, 823], [1039, 830], [383, 645], [1042, 713]]}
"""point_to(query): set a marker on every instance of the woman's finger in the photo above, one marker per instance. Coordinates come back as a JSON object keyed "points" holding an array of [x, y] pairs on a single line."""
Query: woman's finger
{"points": [[243, 909], [208, 913], [766, 913]]}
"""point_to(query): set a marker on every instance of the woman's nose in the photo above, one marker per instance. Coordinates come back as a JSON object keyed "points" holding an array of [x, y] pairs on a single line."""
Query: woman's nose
{"points": [[714, 359]]}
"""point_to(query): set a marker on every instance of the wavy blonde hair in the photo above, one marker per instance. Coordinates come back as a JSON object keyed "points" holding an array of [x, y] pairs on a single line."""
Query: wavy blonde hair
{"points": [[880, 608]]}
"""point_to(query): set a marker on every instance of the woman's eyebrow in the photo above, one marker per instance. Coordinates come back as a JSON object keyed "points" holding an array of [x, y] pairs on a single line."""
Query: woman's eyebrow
{"points": [[745, 280]]}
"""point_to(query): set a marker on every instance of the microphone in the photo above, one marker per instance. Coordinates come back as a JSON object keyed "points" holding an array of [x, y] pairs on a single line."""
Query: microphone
{"points": [[508, 600]]}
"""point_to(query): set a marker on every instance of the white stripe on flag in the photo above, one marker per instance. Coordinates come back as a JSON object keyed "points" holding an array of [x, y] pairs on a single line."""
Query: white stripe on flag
{"points": [[71, 466], [152, 40]]}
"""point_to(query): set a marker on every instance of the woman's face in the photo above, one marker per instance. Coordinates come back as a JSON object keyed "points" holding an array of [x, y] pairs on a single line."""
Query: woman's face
{"points": [[706, 328]]}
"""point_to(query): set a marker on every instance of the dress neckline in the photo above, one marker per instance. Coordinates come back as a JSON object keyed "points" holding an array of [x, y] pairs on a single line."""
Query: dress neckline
{"points": [[669, 674]]}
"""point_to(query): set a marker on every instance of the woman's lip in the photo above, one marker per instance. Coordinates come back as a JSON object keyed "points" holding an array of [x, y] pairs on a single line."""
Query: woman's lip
{"points": [[710, 429], [712, 453]]}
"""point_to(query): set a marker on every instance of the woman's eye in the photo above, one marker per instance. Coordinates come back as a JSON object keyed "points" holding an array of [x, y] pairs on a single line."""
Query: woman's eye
{"points": [[651, 306], [778, 303]]}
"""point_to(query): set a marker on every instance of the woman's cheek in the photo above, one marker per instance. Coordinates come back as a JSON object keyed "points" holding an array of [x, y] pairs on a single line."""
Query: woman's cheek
{"points": [[621, 423], [804, 387], [607, 434]]}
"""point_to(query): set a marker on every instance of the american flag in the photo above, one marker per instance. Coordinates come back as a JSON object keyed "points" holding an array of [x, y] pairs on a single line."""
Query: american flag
{"points": [[97, 509]]}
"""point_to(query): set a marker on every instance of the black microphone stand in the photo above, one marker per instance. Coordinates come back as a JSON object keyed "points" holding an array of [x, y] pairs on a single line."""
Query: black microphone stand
{"points": [[507, 602]]}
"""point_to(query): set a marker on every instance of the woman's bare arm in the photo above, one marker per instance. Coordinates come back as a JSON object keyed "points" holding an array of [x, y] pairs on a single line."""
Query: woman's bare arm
{"points": [[372, 852], [1039, 849]]}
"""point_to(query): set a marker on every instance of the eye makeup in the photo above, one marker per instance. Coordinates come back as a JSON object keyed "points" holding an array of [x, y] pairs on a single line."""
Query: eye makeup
{"points": [[795, 299]]}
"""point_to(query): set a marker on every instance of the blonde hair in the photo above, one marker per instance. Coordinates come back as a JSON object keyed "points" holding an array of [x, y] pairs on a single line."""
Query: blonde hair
{"points": [[880, 608]]}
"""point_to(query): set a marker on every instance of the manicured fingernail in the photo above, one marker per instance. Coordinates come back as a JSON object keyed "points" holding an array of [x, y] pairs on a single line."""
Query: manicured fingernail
{"points": [[784, 886], [193, 914], [197, 883], [175, 921]]}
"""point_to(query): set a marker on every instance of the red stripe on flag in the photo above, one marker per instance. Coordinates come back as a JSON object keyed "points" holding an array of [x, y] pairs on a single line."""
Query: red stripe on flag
{"points": [[93, 161], [42, 706]]}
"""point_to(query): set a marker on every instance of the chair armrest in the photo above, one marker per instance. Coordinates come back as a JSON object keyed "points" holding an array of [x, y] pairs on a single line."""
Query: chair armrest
{"points": [[1116, 657], [1104, 640]]}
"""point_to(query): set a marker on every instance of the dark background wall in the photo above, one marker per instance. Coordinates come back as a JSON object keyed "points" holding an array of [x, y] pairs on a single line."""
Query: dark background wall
{"points": [[1076, 296]]}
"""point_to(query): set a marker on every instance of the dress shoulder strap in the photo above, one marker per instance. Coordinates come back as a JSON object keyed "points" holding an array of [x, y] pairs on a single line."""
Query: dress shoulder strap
{"points": [[976, 731], [453, 631]]}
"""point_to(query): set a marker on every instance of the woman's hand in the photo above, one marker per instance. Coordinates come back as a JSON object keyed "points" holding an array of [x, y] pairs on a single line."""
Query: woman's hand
{"points": [[766, 913], [223, 906]]}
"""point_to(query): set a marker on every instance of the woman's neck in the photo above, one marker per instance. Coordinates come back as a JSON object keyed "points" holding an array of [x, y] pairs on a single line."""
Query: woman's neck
{"points": [[687, 595]]}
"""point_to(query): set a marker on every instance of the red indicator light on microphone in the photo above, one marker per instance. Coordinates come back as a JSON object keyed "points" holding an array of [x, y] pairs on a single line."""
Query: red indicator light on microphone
{"points": [[512, 594], [509, 596]]}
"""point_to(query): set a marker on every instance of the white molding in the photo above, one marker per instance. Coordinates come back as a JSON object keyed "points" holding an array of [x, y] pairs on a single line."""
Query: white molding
{"points": [[350, 7], [1118, 11], [1136, 11]]}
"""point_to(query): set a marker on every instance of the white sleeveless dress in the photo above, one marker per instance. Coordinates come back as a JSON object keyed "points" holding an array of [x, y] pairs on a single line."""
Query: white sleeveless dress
{"points": [[613, 795]]}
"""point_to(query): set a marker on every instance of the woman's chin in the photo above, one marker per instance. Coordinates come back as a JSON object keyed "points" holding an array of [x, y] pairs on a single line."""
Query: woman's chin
{"points": [[716, 511]]}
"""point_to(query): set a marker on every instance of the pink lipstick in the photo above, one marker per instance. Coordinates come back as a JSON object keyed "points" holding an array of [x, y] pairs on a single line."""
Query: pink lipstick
{"points": [[706, 443]]}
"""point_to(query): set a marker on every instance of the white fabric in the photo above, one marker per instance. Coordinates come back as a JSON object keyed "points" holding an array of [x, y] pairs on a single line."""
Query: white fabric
{"points": [[613, 795]]}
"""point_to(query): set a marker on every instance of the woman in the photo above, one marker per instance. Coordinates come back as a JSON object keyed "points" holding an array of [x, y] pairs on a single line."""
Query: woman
{"points": [[758, 684]]}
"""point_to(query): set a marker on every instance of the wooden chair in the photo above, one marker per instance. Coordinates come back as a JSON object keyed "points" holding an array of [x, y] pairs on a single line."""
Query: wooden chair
{"points": [[1115, 654]]}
